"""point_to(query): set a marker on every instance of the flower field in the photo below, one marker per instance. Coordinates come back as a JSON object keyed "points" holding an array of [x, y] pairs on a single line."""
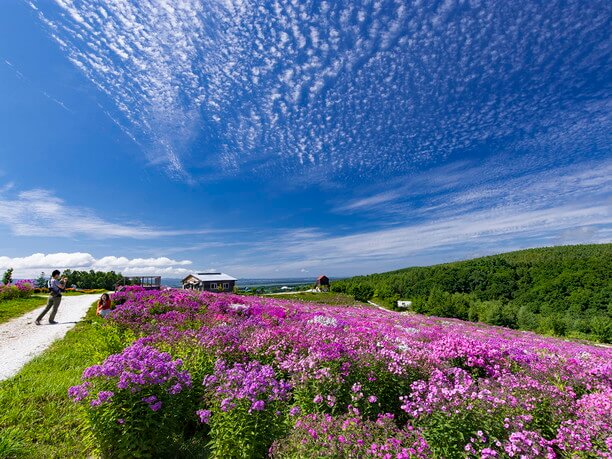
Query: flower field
{"points": [[20, 289], [255, 377]]}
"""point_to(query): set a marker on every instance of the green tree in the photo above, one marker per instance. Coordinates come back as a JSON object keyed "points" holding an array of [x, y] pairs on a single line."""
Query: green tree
{"points": [[41, 281], [93, 279], [460, 305], [601, 327], [438, 303], [7, 278], [362, 293]]}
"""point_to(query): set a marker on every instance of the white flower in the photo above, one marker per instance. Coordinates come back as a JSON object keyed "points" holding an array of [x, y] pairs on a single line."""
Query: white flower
{"points": [[323, 320]]}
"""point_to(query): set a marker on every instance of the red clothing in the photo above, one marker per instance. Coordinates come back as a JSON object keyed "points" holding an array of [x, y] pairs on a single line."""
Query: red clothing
{"points": [[103, 305]]}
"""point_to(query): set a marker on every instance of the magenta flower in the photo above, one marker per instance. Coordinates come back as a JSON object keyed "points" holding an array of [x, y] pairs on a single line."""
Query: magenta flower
{"points": [[258, 405], [204, 416]]}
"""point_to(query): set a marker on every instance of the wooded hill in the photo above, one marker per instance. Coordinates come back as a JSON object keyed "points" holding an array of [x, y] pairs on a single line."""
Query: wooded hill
{"points": [[565, 291]]}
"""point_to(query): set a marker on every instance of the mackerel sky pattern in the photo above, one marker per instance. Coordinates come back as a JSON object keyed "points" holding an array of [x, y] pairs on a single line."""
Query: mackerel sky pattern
{"points": [[363, 87]]}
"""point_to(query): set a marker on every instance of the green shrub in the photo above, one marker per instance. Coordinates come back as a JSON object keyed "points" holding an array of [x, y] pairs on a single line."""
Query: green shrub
{"points": [[93, 279], [601, 327], [12, 292], [362, 293]]}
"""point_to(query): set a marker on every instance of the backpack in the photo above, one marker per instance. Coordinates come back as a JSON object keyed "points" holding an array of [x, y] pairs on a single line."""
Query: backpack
{"points": [[52, 290]]}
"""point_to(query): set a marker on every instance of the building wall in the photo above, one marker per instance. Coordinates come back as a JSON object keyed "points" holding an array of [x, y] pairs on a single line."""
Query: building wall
{"points": [[228, 286]]}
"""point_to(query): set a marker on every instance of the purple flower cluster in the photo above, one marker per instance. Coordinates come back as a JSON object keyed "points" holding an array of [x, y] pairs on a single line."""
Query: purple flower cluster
{"points": [[154, 403], [445, 391], [20, 289], [529, 444], [80, 392], [26, 285], [204, 416], [590, 430], [323, 435], [251, 382], [146, 311], [137, 368]]}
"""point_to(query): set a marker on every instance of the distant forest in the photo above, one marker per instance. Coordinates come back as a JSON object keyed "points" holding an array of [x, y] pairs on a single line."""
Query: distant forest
{"points": [[564, 291], [92, 279]]}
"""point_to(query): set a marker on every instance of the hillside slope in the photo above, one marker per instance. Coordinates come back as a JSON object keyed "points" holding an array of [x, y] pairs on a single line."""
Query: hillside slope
{"points": [[564, 290]]}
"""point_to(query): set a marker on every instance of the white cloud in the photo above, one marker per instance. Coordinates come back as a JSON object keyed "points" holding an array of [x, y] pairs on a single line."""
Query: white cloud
{"points": [[32, 265], [483, 232], [40, 213], [142, 56], [463, 188], [123, 262], [454, 212], [22, 77], [370, 201]]}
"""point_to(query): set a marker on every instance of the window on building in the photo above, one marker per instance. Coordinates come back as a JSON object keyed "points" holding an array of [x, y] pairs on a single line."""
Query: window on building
{"points": [[225, 285], [213, 285]]}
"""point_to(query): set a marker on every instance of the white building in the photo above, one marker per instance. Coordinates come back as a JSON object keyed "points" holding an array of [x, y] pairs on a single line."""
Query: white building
{"points": [[212, 282], [404, 304]]}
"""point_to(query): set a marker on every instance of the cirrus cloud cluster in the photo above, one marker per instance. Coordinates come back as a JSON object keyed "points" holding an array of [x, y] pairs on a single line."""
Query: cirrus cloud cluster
{"points": [[356, 86]]}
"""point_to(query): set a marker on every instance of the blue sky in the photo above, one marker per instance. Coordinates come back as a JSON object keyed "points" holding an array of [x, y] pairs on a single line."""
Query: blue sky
{"points": [[288, 138]]}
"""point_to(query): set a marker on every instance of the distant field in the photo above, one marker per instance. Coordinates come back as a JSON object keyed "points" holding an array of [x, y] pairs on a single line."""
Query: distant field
{"points": [[320, 297]]}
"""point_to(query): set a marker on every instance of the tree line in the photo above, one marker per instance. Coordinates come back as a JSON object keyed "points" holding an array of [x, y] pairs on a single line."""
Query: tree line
{"points": [[565, 291], [86, 279]]}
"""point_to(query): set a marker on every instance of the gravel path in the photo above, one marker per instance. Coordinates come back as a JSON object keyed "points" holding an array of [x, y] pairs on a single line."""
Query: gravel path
{"points": [[21, 340]]}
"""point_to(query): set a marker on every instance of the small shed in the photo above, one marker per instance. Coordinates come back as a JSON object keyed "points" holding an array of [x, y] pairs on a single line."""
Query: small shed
{"points": [[322, 283], [211, 282], [404, 304]]}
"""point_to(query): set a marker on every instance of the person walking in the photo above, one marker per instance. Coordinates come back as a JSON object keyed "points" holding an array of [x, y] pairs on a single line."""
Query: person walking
{"points": [[56, 287]]}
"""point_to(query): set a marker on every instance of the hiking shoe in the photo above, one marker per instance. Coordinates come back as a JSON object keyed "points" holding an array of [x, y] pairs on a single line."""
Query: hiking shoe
{"points": [[37, 322], [52, 322]]}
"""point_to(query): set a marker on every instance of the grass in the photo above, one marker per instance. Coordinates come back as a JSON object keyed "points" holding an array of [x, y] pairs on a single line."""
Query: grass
{"points": [[36, 417], [387, 303], [19, 306], [332, 298]]}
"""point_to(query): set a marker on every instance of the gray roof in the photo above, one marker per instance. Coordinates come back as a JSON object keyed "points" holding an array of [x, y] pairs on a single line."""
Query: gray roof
{"points": [[212, 277]]}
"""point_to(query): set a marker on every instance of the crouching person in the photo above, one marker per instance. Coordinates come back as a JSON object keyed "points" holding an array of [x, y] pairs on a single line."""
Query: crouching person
{"points": [[104, 305]]}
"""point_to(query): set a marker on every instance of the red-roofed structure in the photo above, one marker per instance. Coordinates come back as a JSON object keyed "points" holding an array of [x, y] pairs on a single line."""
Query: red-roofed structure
{"points": [[322, 283]]}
